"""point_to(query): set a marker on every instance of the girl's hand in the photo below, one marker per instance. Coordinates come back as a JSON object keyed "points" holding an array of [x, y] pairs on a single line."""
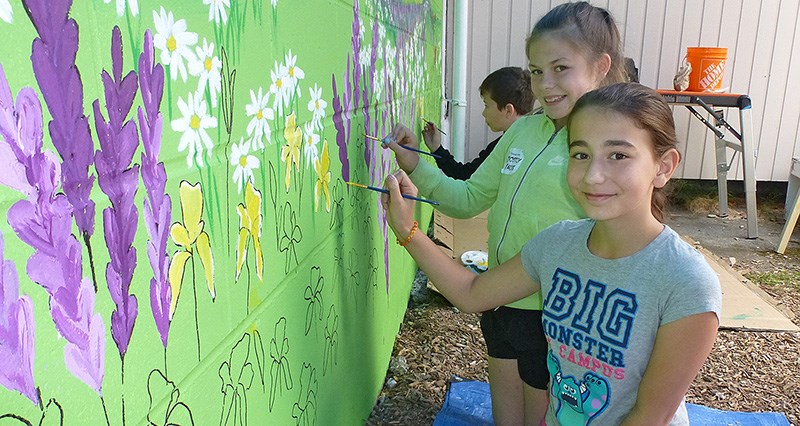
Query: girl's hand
{"points": [[401, 135], [431, 136], [400, 211]]}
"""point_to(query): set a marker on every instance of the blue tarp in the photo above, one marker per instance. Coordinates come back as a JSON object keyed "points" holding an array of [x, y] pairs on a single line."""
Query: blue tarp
{"points": [[469, 403]]}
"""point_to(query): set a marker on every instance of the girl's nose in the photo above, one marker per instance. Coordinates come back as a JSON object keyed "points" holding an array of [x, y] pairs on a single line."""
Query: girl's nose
{"points": [[595, 173]]}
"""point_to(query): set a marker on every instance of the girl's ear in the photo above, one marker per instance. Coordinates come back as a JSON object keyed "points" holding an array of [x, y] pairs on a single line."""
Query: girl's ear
{"points": [[603, 66], [667, 165]]}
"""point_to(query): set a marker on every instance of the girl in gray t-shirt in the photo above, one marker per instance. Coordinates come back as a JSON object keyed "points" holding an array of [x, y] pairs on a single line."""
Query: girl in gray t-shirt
{"points": [[630, 310]]}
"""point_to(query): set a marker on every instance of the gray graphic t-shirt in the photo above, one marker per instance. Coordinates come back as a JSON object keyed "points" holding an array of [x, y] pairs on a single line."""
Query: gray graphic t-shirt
{"points": [[601, 316]]}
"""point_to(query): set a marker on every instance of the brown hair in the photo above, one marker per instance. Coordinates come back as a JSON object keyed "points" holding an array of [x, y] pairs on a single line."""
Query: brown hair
{"points": [[645, 107], [590, 29], [509, 85]]}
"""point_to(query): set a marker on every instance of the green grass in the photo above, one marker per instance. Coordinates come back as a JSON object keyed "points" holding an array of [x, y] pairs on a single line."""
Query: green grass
{"points": [[776, 279]]}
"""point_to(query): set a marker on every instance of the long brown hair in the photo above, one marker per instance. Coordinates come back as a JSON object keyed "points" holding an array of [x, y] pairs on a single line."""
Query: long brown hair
{"points": [[645, 107], [589, 28]]}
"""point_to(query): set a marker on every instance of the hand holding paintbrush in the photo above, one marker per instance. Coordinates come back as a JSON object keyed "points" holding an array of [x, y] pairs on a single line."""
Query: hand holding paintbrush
{"points": [[404, 143], [399, 211]]}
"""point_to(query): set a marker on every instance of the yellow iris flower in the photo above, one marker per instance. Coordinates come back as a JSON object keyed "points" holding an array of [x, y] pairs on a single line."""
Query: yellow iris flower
{"points": [[249, 225], [290, 153], [322, 166], [191, 238]]}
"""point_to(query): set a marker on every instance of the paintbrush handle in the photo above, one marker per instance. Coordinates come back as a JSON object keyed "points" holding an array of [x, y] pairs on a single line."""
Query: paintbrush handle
{"points": [[385, 144], [386, 191], [420, 151]]}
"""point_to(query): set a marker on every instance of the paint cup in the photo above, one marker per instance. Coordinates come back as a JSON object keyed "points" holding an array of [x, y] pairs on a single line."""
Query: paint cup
{"points": [[708, 67]]}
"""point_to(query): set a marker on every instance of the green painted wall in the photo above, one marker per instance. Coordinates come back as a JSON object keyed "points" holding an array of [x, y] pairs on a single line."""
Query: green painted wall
{"points": [[261, 289]]}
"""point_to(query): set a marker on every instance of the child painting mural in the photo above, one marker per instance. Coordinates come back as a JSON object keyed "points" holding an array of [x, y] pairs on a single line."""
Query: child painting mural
{"points": [[572, 49], [630, 310], [506, 95]]}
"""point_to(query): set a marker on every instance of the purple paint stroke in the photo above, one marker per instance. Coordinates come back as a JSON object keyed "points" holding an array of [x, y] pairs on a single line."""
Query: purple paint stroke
{"points": [[44, 221], [341, 135], [118, 179], [356, 41], [17, 333], [157, 208], [53, 59]]}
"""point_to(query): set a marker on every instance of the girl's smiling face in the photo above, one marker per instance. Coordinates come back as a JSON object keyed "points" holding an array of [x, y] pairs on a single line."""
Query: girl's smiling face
{"points": [[612, 166], [560, 74]]}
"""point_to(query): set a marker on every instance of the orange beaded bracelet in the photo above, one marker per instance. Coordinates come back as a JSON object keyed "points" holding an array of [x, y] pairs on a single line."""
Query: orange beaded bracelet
{"points": [[410, 235]]}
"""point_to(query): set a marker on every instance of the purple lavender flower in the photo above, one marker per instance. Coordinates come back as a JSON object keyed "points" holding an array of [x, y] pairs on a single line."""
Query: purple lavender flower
{"points": [[119, 180], [44, 221], [53, 59], [17, 333], [341, 135], [157, 205]]}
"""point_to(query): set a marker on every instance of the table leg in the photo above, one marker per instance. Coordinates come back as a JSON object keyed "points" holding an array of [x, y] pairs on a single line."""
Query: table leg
{"points": [[720, 148], [749, 172]]}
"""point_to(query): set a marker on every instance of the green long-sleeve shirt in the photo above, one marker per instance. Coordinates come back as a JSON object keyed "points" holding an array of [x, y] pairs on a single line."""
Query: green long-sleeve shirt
{"points": [[524, 183]]}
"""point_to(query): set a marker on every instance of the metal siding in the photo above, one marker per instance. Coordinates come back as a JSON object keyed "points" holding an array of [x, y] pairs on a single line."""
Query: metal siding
{"points": [[763, 41]]}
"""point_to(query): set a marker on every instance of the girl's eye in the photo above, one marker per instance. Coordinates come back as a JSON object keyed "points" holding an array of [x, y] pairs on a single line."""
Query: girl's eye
{"points": [[579, 155], [618, 156], [560, 68], [536, 72]]}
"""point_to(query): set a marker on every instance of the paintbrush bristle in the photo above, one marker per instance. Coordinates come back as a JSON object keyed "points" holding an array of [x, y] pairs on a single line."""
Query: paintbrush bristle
{"points": [[360, 185]]}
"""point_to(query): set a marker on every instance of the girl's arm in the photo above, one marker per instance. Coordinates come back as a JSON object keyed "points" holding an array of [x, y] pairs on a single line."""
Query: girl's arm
{"points": [[468, 292], [680, 349]]}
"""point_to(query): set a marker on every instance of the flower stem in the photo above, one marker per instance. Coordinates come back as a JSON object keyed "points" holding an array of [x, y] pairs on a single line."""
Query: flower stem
{"points": [[122, 369], [105, 410], [87, 241], [196, 320]]}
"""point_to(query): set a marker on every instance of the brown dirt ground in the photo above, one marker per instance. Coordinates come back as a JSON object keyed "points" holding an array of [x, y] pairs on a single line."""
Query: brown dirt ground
{"points": [[746, 371]]}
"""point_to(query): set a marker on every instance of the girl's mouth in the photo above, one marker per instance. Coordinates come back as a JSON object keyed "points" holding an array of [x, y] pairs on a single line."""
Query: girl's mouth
{"points": [[553, 99]]}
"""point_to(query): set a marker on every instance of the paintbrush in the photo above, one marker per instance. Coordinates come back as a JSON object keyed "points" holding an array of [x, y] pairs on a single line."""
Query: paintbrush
{"points": [[384, 144], [386, 191], [435, 126]]}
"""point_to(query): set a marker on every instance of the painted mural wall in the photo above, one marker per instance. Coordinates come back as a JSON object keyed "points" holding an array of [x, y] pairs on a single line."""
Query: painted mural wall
{"points": [[179, 243]]}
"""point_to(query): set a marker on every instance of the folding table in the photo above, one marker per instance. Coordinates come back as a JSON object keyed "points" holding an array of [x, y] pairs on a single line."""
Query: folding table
{"points": [[742, 144]]}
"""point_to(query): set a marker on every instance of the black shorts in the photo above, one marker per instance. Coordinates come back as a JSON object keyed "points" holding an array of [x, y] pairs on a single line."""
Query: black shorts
{"points": [[512, 333]]}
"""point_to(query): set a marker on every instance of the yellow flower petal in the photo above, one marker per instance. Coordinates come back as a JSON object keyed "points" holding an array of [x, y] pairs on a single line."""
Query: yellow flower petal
{"points": [[244, 217], [327, 192], [180, 236], [288, 178], [241, 250], [259, 257], [252, 198], [176, 268], [206, 257], [192, 208]]}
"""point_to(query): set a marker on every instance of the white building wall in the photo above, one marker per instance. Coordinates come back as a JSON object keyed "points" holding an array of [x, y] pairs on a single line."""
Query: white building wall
{"points": [[763, 41]]}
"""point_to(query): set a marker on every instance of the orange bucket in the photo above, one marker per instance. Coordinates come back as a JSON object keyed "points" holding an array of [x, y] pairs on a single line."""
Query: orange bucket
{"points": [[708, 66]]}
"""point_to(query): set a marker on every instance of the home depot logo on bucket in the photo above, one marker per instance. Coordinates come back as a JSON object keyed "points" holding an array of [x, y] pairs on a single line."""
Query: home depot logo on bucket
{"points": [[708, 67]]}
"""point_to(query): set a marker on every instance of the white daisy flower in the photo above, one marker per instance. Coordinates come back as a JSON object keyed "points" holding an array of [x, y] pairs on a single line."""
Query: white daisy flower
{"points": [[310, 149], [244, 163], [193, 125], [380, 82], [280, 87], [209, 68], [174, 42], [294, 73], [258, 128], [365, 56], [6, 13], [317, 106], [216, 10], [133, 5]]}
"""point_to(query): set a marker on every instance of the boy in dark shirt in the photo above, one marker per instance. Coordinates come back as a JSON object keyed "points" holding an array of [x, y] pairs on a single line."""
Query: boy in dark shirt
{"points": [[506, 95]]}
